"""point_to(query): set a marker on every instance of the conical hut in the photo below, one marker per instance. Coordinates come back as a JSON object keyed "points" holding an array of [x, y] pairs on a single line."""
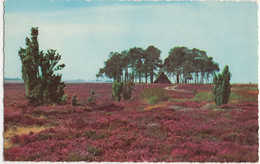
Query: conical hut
{"points": [[162, 78]]}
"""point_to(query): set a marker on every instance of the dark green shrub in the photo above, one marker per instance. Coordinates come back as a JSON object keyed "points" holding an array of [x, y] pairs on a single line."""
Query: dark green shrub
{"points": [[117, 89], [42, 86], [74, 101], [127, 90], [222, 87], [64, 98], [92, 92], [91, 99]]}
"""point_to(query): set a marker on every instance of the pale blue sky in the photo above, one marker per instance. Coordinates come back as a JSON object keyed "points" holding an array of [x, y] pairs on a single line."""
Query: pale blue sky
{"points": [[85, 32]]}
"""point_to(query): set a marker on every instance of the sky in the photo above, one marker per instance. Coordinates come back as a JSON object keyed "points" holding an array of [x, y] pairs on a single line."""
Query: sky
{"points": [[85, 32]]}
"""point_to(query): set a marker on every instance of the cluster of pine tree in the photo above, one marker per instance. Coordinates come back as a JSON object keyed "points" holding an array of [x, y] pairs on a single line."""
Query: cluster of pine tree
{"points": [[190, 65], [42, 85], [136, 64], [132, 65]]}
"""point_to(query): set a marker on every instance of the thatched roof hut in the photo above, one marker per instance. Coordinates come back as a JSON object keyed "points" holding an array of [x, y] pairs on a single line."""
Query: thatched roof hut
{"points": [[162, 78]]}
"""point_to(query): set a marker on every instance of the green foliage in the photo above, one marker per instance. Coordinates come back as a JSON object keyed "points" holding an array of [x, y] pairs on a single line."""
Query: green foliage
{"points": [[91, 99], [74, 101], [222, 87], [154, 95], [127, 90], [64, 98], [132, 64], [136, 56], [113, 67], [152, 61], [203, 97], [187, 64], [136, 63], [239, 97], [248, 88], [117, 89], [153, 100], [175, 61], [42, 85]]}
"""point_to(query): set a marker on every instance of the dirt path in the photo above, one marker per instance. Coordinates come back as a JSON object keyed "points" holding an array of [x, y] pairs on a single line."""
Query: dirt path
{"points": [[173, 88]]}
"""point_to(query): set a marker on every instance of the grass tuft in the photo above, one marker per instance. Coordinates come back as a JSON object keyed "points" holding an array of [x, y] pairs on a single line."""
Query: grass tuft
{"points": [[203, 97], [153, 100], [154, 95], [238, 97]]}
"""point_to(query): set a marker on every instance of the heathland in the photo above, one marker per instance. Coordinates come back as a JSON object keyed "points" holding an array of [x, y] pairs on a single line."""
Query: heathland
{"points": [[161, 122]]}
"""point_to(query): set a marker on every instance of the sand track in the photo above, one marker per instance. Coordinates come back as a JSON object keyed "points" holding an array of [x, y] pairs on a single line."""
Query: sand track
{"points": [[173, 88]]}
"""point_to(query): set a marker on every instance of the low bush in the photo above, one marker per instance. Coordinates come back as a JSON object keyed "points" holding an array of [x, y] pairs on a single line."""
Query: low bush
{"points": [[203, 97], [127, 90], [64, 98], [154, 95], [222, 87], [92, 99], [153, 100], [74, 101], [117, 89]]}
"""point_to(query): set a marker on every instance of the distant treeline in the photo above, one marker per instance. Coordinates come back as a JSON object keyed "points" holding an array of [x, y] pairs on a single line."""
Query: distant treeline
{"points": [[139, 65]]}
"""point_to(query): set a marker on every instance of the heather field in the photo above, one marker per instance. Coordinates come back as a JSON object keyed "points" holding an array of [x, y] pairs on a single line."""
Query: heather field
{"points": [[182, 125]]}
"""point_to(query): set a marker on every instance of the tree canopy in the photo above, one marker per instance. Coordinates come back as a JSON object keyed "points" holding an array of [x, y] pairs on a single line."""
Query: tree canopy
{"points": [[132, 65], [190, 64], [139, 65]]}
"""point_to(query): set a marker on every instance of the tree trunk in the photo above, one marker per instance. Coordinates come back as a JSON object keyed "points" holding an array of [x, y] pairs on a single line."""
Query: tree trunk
{"points": [[126, 74], [202, 78], [151, 77], [146, 76], [196, 78], [178, 78]]}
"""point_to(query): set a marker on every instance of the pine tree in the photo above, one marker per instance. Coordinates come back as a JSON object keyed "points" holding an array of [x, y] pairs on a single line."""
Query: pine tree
{"points": [[222, 87], [117, 89], [30, 62], [42, 85]]}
